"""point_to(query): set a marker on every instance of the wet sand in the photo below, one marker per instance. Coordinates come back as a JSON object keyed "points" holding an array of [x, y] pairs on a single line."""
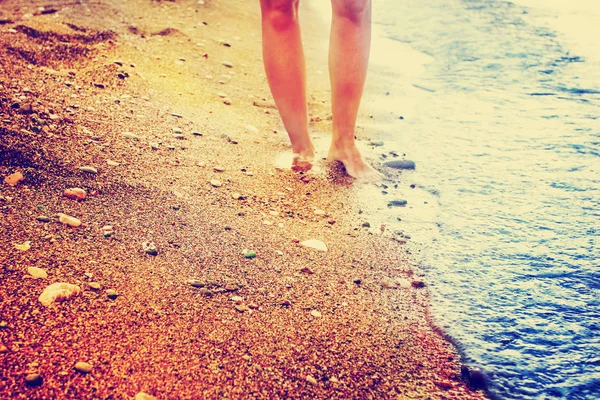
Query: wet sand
{"points": [[138, 91]]}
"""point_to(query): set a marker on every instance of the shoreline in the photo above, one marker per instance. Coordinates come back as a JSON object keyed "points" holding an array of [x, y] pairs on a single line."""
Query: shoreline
{"points": [[291, 322]]}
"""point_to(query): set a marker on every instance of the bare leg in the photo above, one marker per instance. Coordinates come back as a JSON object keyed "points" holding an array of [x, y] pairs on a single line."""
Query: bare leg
{"points": [[286, 72], [349, 48]]}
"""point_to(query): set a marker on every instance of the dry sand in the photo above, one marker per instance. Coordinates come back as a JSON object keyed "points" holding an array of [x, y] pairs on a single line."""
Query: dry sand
{"points": [[291, 322]]}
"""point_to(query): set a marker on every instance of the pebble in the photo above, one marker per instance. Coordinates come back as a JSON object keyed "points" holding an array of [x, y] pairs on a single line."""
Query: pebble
{"points": [[13, 179], [154, 146], [228, 64], [249, 253], [237, 299], [83, 367], [216, 183], [227, 102], [130, 135], [112, 294], [43, 218], [397, 203], [34, 380], [311, 379], [219, 169], [3, 325], [366, 225], [400, 164], [58, 292], [242, 308], [316, 314], [177, 130], [95, 285], [3, 348], [238, 196], [75, 193], [178, 136], [88, 169], [144, 396], [201, 163], [388, 283], [315, 244], [418, 284], [150, 248], [376, 143], [23, 247], [307, 270], [196, 283], [37, 273], [333, 379], [68, 220], [112, 163]]}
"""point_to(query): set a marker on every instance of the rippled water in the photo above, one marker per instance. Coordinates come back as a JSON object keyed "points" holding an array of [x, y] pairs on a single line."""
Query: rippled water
{"points": [[504, 124]]}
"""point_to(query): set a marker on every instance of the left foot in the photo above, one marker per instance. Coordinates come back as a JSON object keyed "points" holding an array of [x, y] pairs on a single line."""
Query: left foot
{"points": [[355, 166]]}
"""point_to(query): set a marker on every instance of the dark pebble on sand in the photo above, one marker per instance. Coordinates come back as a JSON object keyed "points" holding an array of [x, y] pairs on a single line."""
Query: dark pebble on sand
{"points": [[400, 164], [397, 203], [366, 225], [34, 380], [418, 284], [150, 248], [376, 143], [358, 281], [43, 218]]}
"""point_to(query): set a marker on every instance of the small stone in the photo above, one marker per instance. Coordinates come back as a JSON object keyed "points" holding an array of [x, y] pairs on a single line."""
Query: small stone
{"points": [[58, 292], [13, 179], [112, 294], [88, 169], [43, 218], [83, 367], [333, 379], [400, 164], [177, 130], [201, 163], [418, 284], [107, 228], [249, 253], [144, 396], [242, 308], [286, 303], [307, 270], [197, 283], [218, 168], [376, 143], [206, 292], [366, 225], [75, 194], [228, 64], [3, 325], [388, 283], [130, 135], [216, 183], [247, 357], [316, 314], [23, 247], [68, 220], [3, 348], [178, 136], [34, 380], [37, 273], [397, 203], [150, 248], [95, 285], [238, 196], [196, 133], [237, 299], [112, 163], [314, 244], [227, 102], [310, 379]]}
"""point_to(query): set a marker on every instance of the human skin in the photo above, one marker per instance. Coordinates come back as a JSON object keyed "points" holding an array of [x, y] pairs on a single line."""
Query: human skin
{"points": [[285, 66]]}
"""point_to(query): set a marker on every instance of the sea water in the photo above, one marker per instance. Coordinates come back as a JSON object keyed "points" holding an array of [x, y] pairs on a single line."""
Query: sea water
{"points": [[503, 121]]}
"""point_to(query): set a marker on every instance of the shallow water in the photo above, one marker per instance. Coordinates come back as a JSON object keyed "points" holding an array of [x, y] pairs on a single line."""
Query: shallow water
{"points": [[503, 123]]}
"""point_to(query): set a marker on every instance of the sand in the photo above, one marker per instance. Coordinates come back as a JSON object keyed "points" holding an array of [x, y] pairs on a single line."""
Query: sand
{"points": [[137, 91]]}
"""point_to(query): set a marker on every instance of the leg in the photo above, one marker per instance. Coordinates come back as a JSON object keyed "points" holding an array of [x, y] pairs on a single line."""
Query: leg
{"points": [[286, 72], [349, 48]]}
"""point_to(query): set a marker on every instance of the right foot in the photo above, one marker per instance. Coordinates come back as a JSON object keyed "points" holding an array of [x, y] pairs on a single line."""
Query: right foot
{"points": [[302, 160]]}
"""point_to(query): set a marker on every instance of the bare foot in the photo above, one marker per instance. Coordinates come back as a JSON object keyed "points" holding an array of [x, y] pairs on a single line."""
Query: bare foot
{"points": [[302, 160], [355, 166]]}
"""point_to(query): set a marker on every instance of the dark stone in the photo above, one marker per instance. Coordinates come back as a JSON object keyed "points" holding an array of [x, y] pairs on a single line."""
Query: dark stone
{"points": [[418, 284], [366, 225], [34, 380], [397, 203], [357, 281], [400, 164]]}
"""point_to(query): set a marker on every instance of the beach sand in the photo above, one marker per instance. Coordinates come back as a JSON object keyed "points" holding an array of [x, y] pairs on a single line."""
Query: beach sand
{"points": [[138, 91]]}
